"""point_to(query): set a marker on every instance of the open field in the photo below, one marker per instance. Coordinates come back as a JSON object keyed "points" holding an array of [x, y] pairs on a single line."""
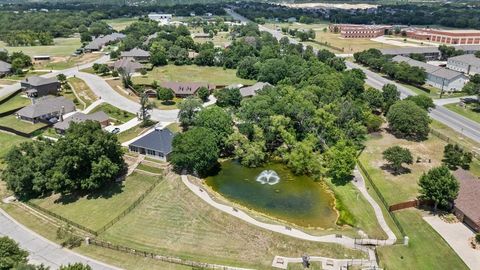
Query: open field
{"points": [[68, 61], [61, 47], [172, 220], [426, 250], [26, 127], [468, 111], [96, 210], [403, 187], [221, 39], [15, 102], [192, 73], [83, 91], [120, 116], [112, 257], [120, 24]]}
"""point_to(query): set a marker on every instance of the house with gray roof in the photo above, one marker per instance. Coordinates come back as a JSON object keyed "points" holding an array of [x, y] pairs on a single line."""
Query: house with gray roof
{"points": [[252, 90], [98, 43], [467, 63], [438, 77], [156, 144], [46, 108], [63, 124], [5, 68], [36, 86], [430, 53], [137, 54], [128, 65]]}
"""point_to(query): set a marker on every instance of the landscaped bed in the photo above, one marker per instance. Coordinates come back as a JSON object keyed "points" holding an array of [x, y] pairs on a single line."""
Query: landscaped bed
{"points": [[192, 73], [97, 209]]}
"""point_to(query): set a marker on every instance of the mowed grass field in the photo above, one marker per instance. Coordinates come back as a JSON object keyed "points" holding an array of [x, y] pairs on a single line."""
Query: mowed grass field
{"points": [[23, 126], [61, 47], [99, 208], [15, 102], [426, 250], [120, 24], [192, 73], [173, 221], [403, 187]]}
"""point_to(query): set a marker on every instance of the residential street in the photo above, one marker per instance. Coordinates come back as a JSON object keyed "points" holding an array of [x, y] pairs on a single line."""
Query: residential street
{"points": [[42, 250], [455, 121]]}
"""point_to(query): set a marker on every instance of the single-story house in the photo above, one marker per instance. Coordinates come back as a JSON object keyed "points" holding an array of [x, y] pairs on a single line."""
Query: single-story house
{"points": [[467, 63], [438, 77], [97, 43], [185, 89], [252, 90], [137, 54], [156, 144], [128, 65], [46, 108], [63, 124], [5, 68], [35, 86], [467, 205]]}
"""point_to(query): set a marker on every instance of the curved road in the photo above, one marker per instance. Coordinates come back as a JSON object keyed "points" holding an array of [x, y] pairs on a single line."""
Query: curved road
{"points": [[455, 121]]}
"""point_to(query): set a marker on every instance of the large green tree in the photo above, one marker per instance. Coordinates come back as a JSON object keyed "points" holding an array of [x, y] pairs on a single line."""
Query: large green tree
{"points": [[396, 156], [390, 96], [406, 119], [340, 160], [195, 151], [75, 266], [217, 120], [11, 254], [439, 186], [454, 156], [188, 110]]}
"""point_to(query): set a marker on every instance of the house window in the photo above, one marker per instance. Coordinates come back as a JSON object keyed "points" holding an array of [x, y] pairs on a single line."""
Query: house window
{"points": [[150, 152], [160, 154]]}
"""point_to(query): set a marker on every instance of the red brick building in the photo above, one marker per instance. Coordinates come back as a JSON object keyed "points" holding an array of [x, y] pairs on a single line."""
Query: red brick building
{"points": [[359, 30], [445, 36]]}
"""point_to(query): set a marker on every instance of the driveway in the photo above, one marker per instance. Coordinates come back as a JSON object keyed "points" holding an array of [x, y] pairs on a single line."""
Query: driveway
{"points": [[42, 250], [457, 236]]}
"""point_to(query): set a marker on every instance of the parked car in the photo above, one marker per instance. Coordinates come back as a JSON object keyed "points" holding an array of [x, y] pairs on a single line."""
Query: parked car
{"points": [[116, 130]]}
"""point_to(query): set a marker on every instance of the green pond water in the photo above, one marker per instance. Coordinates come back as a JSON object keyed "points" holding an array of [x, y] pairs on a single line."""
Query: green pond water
{"points": [[295, 199]]}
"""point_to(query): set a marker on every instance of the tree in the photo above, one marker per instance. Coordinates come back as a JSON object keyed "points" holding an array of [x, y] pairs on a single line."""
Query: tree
{"points": [[439, 186], [203, 93], [251, 153], [396, 156], [340, 160], [374, 98], [11, 254], [390, 96], [422, 101], [454, 156], [145, 106], [218, 121], [195, 151], [126, 78], [158, 54], [323, 55], [228, 97], [62, 78], [205, 58], [188, 109], [406, 119], [247, 68], [165, 94], [75, 266]]}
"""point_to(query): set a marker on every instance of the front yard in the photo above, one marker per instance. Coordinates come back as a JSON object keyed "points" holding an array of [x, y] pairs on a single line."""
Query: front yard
{"points": [[118, 115]]}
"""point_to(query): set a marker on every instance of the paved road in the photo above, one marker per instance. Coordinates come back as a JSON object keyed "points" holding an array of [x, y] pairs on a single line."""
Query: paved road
{"points": [[455, 121], [458, 236], [42, 250]]}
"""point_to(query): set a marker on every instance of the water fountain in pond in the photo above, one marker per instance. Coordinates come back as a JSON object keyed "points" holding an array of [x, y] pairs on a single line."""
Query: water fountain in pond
{"points": [[268, 177]]}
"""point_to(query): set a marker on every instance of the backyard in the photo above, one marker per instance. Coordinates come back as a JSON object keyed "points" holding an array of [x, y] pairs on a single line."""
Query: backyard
{"points": [[11, 121], [118, 115], [97, 209], [13, 103], [172, 220], [192, 73]]}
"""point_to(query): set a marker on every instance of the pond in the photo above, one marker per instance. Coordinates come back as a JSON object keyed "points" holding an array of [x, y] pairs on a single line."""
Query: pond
{"points": [[273, 190]]}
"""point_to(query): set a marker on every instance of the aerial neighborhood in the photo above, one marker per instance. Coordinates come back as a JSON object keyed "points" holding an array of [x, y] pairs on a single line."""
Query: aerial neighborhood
{"points": [[239, 135]]}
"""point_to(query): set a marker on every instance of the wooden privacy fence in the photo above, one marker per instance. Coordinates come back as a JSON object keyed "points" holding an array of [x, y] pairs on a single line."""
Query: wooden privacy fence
{"points": [[409, 204]]}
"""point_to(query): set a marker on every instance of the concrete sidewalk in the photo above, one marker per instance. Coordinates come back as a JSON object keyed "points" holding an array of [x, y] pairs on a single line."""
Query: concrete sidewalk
{"points": [[43, 250]]}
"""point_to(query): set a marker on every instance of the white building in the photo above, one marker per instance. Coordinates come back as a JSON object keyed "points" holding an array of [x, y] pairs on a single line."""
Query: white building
{"points": [[161, 18], [438, 77], [467, 63]]}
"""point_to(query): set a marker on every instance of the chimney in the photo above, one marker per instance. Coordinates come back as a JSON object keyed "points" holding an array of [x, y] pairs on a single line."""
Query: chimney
{"points": [[61, 113]]}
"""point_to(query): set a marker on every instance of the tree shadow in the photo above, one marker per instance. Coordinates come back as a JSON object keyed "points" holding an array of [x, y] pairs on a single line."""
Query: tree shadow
{"points": [[106, 191], [342, 181], [407, 137], [391, 170], [168, 103]]}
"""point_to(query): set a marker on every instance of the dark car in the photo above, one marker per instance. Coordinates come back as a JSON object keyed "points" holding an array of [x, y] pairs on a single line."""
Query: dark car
{"points": [[116, 130]]}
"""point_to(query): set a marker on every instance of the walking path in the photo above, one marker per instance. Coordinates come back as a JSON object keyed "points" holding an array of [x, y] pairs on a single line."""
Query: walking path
{"points": [[458, 237], [42, 250]]}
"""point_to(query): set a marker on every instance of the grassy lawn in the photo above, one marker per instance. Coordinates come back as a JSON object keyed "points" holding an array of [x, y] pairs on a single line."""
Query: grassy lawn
{"points": [[175, 127], [431, 91], [148, 168], [131, 133], [8, 140], [69, 61], [23, 76], [61, 47], [172, 220], [166, 106], [95, 210], [120, 24], [426, 250], [26, 127], [13, 103], [455, 137], [112, 257], [192, 73], [120, 116], [83, 91], [467, 111], [403, 187]]}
